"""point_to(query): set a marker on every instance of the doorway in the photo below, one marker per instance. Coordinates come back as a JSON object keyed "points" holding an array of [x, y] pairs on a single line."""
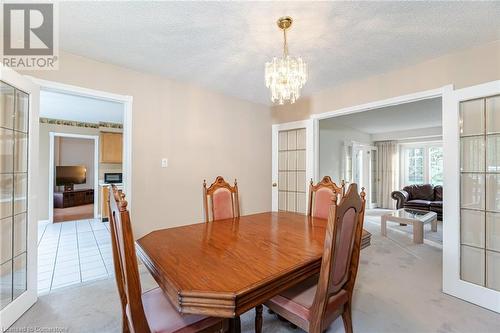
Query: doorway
{"points": [[74, 165], [84, 138], [372, 149], [292, 165], [363, 168]]}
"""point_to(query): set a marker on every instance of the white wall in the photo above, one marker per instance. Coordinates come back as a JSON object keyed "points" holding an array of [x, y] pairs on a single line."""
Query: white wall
{"points": [[332, 138]]}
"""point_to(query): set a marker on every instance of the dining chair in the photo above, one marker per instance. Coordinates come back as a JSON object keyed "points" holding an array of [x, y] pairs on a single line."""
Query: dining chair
{"points": [[222, 199], [320, 196], [149, 312], [315, 303]]}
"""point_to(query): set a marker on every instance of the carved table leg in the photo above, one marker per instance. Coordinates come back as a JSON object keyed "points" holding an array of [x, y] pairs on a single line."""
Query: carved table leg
{"points": [[258, 319], [235, 325]]}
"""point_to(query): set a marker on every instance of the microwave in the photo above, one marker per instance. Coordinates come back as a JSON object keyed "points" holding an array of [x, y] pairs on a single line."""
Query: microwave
{"points": [[113, 178]]}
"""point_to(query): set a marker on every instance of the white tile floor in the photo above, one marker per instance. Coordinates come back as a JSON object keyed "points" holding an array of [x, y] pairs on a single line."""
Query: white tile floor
{"points": [[73, 252]]}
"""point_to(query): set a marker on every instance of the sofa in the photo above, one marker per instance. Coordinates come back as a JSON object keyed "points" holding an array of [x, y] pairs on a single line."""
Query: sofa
{"points": [[422, 197]]}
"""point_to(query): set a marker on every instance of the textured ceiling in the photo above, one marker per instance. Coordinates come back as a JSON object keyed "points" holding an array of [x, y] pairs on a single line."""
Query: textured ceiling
{"points": [[415, 115], [224, 45], [56, 105]]}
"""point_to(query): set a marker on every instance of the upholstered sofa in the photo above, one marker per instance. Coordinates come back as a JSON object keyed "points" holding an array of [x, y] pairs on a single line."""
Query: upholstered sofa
{"points": [[423, 197]]}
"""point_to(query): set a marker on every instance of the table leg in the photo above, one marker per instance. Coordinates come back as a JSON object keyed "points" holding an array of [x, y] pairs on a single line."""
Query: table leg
{"points": [[258, 319], [383, 225], [235, 325], [434, 225], [418, 232]]}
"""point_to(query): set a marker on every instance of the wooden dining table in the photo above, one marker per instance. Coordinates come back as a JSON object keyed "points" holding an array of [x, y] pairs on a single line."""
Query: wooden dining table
{"points": [[225, 268]]}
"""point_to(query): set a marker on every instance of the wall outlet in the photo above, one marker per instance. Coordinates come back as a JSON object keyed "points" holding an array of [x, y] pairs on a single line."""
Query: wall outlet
{"points": [[164, 162]]}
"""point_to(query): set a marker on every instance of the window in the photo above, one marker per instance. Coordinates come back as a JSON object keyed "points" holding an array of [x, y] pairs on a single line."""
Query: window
{"points": [[422, 163], [415, 165], [436, 165]]}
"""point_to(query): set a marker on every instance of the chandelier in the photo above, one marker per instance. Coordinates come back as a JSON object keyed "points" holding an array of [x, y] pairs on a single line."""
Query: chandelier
{"points": [[286, 75]]}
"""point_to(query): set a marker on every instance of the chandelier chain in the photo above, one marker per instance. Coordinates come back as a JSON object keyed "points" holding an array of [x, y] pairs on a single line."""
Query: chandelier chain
{"points": [[285, 44]]}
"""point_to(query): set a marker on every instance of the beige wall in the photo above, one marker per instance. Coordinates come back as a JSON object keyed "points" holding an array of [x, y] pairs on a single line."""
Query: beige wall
{"points": [[465, 68], [76, 151], [202, 133]]}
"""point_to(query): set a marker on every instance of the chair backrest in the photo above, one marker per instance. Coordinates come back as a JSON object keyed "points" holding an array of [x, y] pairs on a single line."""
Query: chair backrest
{"points": [[340, 260], [220, 200], [320, 196], [125, 262]]}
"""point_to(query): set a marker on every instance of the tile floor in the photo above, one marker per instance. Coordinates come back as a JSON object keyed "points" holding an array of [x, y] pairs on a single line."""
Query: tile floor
{"points": [[73, 252]]}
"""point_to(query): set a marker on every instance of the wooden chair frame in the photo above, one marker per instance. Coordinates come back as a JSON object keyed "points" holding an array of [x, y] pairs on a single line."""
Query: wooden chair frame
{"points": [[126, 268], [319, 316], [209, 192], [325, 287], [127, 272], [328, 183]]}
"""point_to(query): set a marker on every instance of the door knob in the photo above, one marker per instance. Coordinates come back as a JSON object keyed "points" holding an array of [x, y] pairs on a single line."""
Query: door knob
{"points": [[274, 184]]}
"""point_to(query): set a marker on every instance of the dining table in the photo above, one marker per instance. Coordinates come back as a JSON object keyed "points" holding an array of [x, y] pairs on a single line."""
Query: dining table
{"points": [[227, 267]]}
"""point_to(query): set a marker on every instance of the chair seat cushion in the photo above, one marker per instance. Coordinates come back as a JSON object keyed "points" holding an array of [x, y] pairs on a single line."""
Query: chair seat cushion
{"points": [[162, 317], [437, 204], [418, 203], [295, 303]]}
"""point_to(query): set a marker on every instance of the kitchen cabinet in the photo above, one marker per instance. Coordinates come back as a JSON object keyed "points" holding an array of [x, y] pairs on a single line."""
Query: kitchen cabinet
{"points": [[111, 147]]}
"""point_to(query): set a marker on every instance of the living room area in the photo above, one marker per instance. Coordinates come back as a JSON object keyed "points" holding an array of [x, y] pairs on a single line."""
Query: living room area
{"points": [[396, 153]]}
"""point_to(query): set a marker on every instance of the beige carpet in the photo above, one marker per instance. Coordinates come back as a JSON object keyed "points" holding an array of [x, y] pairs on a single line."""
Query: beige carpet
{"points": [[398, 290], [435, 238]]}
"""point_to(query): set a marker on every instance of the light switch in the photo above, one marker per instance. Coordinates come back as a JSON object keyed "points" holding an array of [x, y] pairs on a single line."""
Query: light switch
{"points": [[164, 162]]}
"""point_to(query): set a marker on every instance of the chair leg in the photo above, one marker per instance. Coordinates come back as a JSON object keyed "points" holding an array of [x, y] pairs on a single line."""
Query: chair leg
{"points": [[347, 318], [125, 328], [258, 319]]}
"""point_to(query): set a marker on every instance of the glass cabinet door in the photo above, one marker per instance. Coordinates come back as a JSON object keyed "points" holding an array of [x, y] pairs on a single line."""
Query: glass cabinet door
{"points": [[14, 107], [480, 192]]}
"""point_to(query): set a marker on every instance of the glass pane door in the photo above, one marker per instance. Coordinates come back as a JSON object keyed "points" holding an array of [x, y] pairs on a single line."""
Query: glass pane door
{"points": [[14, 107], [480, 192], [373, 178], [292, 170]]}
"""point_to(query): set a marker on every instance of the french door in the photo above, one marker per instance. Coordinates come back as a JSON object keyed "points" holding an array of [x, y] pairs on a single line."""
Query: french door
{"points": [[19, 100], [471, 230], [292, 165], [362, 161]]}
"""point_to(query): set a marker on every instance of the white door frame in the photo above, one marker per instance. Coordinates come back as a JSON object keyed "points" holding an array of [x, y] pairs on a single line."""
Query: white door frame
{"points": [[127, 121], [312, 125], [452, 284], [403, 99], [15, 309], [308, 125], [52, 135]]}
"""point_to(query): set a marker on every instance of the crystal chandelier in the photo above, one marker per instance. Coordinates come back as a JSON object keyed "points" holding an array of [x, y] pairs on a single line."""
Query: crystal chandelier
{"points": [[286, 75]]}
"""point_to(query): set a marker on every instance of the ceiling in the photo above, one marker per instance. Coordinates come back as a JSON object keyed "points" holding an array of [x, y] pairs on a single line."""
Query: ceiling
{"points": [[409, 116], [57, 105], [224, 45]]}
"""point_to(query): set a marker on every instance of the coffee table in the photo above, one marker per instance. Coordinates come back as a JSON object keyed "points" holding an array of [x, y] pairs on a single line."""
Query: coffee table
{"points": [[417, 218]]}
